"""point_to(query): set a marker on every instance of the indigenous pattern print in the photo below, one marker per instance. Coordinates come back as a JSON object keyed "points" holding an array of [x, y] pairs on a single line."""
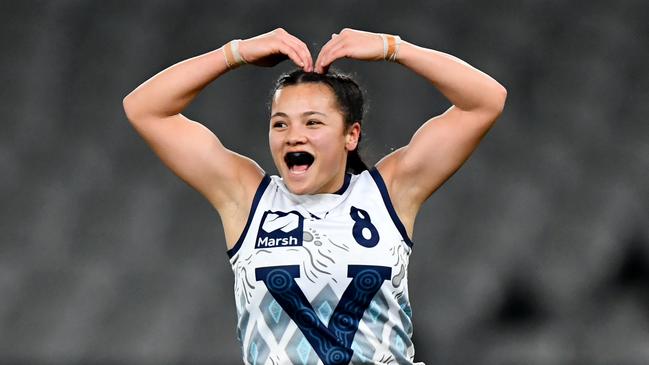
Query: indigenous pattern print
{"points": [[322, 279]]}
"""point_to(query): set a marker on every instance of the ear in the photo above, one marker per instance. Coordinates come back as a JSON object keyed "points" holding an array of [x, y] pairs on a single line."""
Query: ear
{"points": [[352, 136]]}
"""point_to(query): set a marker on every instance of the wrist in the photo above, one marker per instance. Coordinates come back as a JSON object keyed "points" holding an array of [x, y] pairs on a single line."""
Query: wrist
{"points": [[391, 46], [231, 54]]}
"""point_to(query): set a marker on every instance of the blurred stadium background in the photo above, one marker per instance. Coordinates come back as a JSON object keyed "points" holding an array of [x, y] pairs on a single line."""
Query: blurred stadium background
{"points": [[535, 252]]}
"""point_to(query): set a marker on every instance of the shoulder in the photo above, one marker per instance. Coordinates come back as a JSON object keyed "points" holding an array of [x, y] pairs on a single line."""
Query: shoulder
{"points": [[397, 189], [238, 185]]}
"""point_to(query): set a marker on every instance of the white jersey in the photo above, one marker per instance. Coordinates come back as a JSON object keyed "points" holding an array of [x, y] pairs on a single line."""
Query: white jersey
{"points": [[322, 279]]}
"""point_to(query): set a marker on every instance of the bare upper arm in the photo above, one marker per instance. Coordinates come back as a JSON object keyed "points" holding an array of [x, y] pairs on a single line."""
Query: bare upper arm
{"points": [[435, 152], [189, 149]]}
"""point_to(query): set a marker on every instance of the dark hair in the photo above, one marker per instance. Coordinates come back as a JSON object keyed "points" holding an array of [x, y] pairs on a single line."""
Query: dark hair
{"points": [[349, 98]]}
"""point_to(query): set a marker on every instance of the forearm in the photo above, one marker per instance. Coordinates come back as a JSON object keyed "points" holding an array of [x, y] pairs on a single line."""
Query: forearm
{"points": [[170, 91], [463, 85]]}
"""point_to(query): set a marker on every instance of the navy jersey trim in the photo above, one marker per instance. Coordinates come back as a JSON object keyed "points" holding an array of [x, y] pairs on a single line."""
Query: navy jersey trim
{"points": [[348, 178], [255, 201], [388, 204]]}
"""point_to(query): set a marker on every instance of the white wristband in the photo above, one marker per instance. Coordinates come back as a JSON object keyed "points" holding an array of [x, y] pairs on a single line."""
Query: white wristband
{"points": [[231, 54], [384, 38], [235, 52], [391, 45]]}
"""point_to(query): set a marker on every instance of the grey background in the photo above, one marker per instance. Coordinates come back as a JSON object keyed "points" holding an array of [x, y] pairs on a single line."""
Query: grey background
{"points": [[535, 252]]}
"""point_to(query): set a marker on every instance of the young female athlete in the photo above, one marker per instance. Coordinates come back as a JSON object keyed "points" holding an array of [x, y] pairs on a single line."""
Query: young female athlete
{"points": [[320, 252]]}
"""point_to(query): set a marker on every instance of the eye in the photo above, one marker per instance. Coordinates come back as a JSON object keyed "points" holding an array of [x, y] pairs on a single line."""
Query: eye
{"points": [[278, 124], [313, 122]]}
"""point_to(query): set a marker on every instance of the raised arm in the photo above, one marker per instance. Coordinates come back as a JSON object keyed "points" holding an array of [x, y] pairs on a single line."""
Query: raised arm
{"points": [[190, 149], [443, 143]]}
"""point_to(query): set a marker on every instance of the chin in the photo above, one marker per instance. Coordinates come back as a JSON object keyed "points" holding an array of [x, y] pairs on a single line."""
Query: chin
{"points": [[299, 184], [298, 188]]}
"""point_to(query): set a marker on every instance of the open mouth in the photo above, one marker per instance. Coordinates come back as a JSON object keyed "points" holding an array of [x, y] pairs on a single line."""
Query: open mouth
{"points": [[298, 162]]}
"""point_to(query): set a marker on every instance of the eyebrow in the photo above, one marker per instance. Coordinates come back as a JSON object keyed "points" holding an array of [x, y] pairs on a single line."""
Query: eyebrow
{"points": [[305, 114]]}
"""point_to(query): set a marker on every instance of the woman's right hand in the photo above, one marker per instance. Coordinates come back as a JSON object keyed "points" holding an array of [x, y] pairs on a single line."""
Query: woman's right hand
{"points": [[269, 49]]}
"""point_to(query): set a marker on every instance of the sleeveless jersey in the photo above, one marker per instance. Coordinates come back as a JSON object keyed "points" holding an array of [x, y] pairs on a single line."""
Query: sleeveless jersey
{"points": [[322, 279]]}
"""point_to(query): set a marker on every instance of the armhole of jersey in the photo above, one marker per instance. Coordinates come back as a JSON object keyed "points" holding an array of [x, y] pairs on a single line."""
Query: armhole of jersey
{"points": [[388, 204], [255, 201]]}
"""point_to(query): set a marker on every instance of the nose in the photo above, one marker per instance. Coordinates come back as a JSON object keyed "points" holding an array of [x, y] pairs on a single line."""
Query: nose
{"points": [[295, 137]]}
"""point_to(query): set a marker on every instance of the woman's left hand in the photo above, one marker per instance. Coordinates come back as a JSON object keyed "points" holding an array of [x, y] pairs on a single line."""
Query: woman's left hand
{"points": [[350, 43]]}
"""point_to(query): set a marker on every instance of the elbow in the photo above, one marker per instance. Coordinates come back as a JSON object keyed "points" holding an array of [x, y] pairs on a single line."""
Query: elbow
{"points": [[493, 105], [498, 99], [127, 104], [138, 108], [130, 107], [501, 97]]}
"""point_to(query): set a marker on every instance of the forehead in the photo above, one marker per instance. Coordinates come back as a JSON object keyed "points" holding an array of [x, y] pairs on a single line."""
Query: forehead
{"points": [[307, 96]]}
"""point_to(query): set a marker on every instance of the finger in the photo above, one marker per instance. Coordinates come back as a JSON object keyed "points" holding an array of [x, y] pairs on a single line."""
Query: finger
{"points": [[288, 47], [302, 50], [328, 44], [331, 54], [297, 45], [324, 52], [292, 53]]}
